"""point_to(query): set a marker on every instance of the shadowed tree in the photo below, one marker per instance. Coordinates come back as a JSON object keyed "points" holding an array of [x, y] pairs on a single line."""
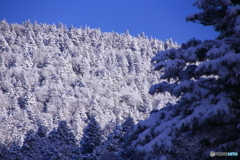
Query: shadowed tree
{"points": [[92, 137]]}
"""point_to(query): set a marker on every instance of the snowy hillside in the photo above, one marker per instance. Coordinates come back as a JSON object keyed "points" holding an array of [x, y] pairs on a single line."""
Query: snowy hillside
{"points": [[49, 73], [51, 76]]}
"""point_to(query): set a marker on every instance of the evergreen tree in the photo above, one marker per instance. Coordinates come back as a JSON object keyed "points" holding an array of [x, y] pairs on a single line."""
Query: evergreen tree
{"points": [[116, 138], [127, 126], [126, 151], [223, 15], [92, 137], [59, 144], [205, 77], [204, 70], [63, 135]]}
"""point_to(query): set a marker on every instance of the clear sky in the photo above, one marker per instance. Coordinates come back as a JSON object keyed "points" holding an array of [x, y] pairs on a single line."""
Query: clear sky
{"points": [[161, 19]]}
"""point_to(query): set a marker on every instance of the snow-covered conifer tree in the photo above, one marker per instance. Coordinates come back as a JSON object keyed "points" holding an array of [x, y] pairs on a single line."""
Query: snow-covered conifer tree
{"points": [[224, 16], [92, 137], [126, 150], [205, 76], [116, 138]]}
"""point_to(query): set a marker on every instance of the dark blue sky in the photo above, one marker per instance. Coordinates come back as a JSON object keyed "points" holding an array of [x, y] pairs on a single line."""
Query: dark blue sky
{"points": [[161, 19]]}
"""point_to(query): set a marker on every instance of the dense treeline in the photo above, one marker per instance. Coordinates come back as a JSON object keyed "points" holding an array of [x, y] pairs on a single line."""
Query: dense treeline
{"points": [[50, 73], [61, 143]]}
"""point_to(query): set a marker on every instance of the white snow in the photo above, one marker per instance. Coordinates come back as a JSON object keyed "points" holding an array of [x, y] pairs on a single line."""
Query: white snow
{"points": [[70, 73]]}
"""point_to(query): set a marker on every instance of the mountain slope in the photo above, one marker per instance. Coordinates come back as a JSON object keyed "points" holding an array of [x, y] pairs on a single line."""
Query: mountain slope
{"points": [[49, 73]]}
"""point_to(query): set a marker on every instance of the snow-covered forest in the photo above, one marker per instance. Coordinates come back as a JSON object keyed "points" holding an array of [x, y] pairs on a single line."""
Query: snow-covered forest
{"points": [[69, 93], [50, 73]]}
